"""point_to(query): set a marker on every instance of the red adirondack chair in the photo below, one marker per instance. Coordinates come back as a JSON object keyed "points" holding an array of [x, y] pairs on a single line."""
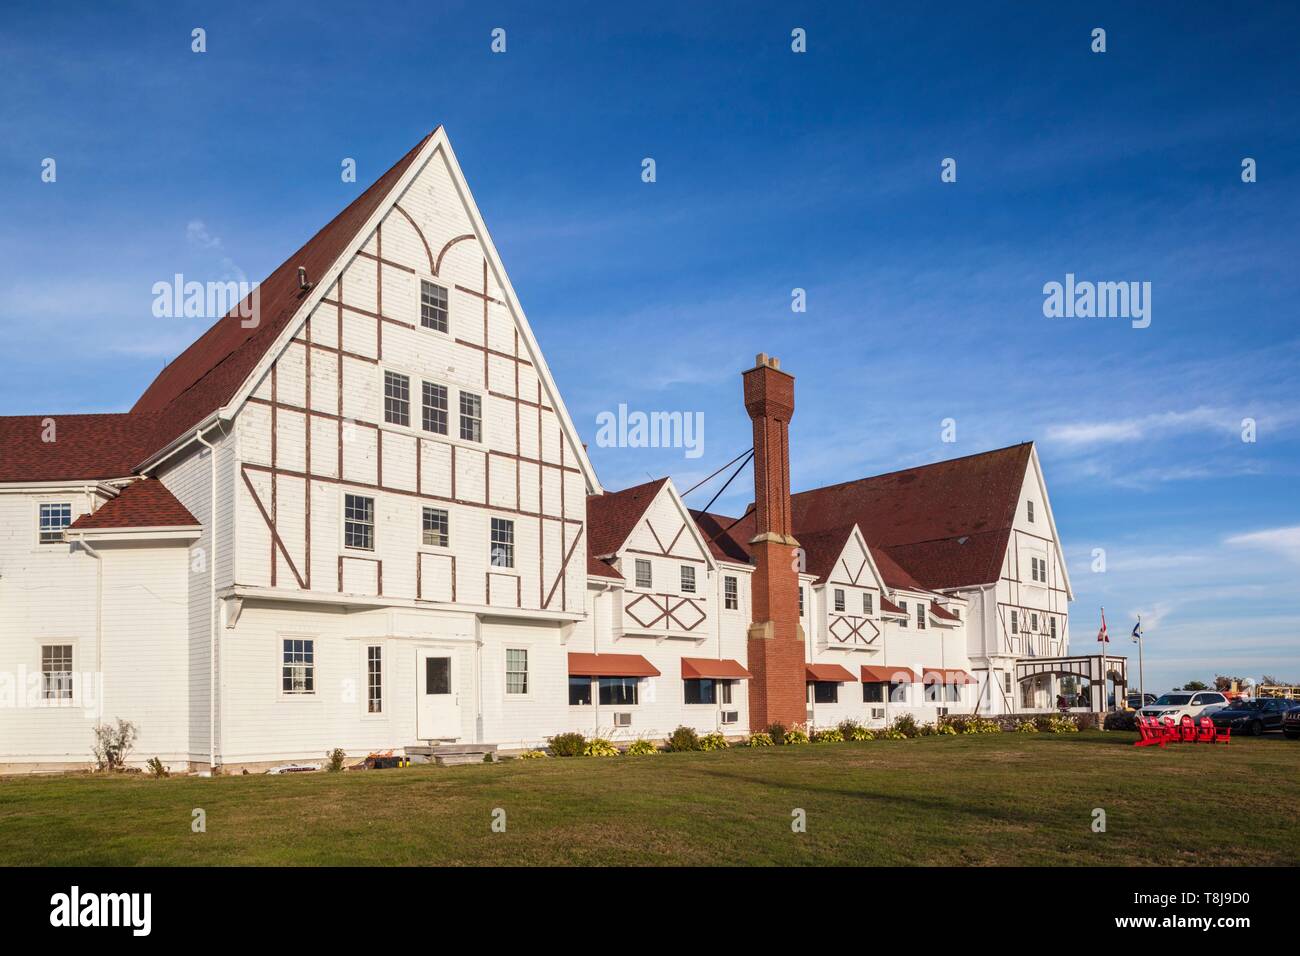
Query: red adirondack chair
{"points": [[1150, 733], [1170, 729], [1221, 734], [1207, 731], [1187, 729]]}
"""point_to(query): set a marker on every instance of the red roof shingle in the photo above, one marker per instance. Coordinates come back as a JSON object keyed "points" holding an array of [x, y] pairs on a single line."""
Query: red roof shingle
{"points": [[611, 517], [141, 504], [85, 447]]}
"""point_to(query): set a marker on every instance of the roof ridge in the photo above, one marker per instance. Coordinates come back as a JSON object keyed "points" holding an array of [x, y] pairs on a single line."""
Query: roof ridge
{"points": [[899, 471]]}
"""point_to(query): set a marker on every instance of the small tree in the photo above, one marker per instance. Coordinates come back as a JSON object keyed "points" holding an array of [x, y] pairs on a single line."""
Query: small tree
{"points": [[1195, 685], [112, 744]]}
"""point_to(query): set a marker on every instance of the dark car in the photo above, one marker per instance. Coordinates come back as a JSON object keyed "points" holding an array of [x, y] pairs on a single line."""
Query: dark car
{"points": [[1138, 701], [1291, 723], [1254, 716]]}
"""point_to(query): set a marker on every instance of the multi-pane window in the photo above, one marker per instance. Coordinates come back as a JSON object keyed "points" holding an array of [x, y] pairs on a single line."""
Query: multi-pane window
{"points": [[707, 691], [471, 417], [730, 593], [1033, 622], [866, 603], [920, 615], [397, 399], [1006, 681], [434, 408], [54, 518], [359, 522], [1015, 621], [1030, 507], [503, 543], [56, 672], [801, 602], [516, 671], [688, 579], [618, 690], [375, 679], [1051, 623], [436, 534], [644, 578], [298, 667], [839, 599], [902, 606], [433, 306]]}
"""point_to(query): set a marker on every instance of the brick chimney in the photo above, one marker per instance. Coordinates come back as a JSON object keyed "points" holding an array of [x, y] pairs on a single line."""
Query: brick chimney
{"points": [[778, 691]]}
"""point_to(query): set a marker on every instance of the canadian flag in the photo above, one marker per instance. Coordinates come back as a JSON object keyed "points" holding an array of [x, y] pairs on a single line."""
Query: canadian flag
{"points": [[1102, 635]]}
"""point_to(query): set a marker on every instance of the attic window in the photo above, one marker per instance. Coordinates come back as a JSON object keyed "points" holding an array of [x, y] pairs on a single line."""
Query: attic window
{"points": [[433, 306], [1030, 506]]}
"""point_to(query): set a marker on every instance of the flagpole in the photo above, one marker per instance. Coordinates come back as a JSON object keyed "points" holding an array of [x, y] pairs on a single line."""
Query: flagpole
{"points": [[1142, 684]]}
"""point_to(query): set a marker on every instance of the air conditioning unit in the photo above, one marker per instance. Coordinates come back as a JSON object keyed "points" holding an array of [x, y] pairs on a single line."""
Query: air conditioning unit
{"points": [[877, 713], [730, 716], [622, 720]]}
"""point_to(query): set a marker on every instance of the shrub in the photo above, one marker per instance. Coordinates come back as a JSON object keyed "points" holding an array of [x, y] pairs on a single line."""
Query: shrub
{"points": [[641, 748], [156, 768], [1120, 720], [599, 747], [1027, 727], [1063, 724], [852, 730], [567, 745], [683, 739], [795, 735], [760, 740], [713, 742], [334, 760], [112, 744], [946, 730], [1089, 721], [889, 733], [777, 733], [831, 735], [531, 754], [905, 724]]}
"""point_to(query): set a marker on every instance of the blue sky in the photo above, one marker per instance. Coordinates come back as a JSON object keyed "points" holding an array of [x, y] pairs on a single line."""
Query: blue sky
{"points": [[775, 170]]}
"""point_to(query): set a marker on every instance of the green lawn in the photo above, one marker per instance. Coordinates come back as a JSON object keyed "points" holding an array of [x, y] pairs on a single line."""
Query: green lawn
{"points": [[998, 799]]}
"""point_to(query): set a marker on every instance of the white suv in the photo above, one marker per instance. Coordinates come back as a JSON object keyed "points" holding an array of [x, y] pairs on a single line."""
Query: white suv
{"points": [[1194, 703]]}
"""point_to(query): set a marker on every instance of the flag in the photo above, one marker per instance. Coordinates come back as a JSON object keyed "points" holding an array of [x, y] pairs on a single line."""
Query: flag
{"points": [[1137, 631], [1102, 635]]}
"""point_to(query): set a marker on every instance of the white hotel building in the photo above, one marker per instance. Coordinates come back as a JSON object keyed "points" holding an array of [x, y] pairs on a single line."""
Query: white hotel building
{"points": [[367, 521]]}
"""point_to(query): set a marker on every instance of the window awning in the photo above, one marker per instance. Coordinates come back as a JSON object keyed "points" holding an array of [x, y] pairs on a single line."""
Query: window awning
{"points": [[937, 675], [942, 613], [610, 665], [827, 672], [889, 607], [888, 675], [706, 668]]}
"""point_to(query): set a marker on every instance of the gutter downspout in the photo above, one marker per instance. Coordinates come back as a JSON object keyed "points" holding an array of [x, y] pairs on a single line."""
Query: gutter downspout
{"points": [[99, 626], [212, 605]]}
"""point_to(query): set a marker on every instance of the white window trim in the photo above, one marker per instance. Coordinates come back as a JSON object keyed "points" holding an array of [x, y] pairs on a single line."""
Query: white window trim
{"points": [[636, 579], [436, 506], [528, 672], [36, 520], [344, 547], [418, 312], [55, 703], [513, 569], [415, 428], [384, 697], [290, 698]]}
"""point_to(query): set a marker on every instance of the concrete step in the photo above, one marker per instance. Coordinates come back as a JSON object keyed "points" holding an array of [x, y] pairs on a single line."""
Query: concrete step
{"points": [[456, 760], [452, 755]]}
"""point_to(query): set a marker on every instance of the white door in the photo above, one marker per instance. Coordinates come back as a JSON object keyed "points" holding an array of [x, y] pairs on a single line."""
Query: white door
{"points": [[438, 705]]}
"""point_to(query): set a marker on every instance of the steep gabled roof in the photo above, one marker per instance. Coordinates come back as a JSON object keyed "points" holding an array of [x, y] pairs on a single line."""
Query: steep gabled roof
{"points": [[142, 504], [728, 538], [84, 447], [611, 517], [597, 568], [208, 374], [946, 524]]}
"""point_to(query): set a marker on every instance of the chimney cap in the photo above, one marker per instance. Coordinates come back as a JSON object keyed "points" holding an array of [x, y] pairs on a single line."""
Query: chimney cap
{"points": [[762, 359]]}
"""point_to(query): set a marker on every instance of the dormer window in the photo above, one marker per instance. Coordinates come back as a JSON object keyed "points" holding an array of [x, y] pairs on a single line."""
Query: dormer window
{"points": [[920, 615]]}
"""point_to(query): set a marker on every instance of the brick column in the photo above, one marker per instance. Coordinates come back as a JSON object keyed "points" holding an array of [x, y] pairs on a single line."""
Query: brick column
{"points": [[777, 692]]}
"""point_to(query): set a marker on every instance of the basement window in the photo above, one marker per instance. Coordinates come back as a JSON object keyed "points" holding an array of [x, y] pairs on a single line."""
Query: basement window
{"points": [[298, 668], [54, 518], [433, 306]]}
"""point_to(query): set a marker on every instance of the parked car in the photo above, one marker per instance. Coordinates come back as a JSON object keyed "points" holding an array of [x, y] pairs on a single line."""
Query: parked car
{"points": [[1136, 701], [1291, 722], [1254, 717], [1193, 703]]}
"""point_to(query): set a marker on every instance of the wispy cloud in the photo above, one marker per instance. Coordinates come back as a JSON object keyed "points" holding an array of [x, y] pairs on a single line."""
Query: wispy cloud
{"points": [[1283, 541]]}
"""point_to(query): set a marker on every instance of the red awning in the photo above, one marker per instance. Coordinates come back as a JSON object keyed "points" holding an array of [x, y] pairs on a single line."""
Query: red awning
{"points": [[610, 665], [888, 675], [697, 668], [889, 607], [942, 612], [937, 675], [827, 672]]}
